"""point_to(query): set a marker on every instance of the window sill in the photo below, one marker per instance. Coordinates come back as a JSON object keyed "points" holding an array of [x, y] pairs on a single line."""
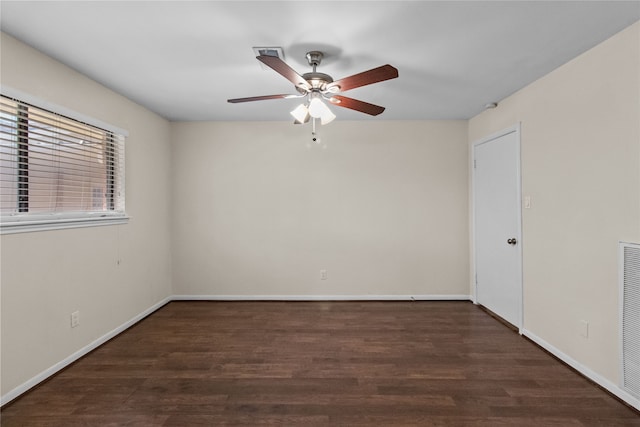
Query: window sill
{"points": [[29, 226]]}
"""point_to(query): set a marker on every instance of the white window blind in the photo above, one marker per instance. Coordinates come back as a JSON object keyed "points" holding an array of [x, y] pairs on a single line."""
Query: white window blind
{"points": [[57, 169]]}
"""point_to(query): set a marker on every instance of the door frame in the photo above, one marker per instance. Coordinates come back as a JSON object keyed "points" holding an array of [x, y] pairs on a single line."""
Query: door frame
{"points": [[512, 129]]}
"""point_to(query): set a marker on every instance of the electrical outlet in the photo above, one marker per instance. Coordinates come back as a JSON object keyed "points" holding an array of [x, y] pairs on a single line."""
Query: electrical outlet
{"points": [[75, 319], [323, 274]]}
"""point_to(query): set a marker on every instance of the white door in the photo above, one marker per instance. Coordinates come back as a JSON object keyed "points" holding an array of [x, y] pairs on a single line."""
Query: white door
{"points": [[497, 228]]}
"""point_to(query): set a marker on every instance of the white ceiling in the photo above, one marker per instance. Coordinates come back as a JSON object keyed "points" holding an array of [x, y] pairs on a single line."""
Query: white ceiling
{"points": [[184, 59]]}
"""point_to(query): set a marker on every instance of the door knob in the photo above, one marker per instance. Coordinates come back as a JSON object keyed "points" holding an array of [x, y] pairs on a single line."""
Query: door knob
{"points": [[512, 241]]}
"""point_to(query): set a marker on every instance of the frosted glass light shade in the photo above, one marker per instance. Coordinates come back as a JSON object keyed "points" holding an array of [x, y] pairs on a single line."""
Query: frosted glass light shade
{"points": [[327, 117], [301, 113], [319, 110], [316, 108]]}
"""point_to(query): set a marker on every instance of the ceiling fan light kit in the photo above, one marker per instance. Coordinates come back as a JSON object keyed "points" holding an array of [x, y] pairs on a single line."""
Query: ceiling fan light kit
{"points": [[316, 87]]}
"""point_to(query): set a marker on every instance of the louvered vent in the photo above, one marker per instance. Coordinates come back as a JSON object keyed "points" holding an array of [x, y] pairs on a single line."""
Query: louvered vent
{"points": [[631, 318]]}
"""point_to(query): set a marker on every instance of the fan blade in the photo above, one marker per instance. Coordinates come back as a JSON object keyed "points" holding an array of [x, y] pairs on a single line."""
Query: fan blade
{"points": [[262, 98], [380, 74], [284, 70], [354, 104]]}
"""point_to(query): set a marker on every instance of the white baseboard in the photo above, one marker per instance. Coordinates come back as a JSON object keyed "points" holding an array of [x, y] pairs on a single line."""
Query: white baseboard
{"points": [[593, 376], [321, 298], [22, 388]]}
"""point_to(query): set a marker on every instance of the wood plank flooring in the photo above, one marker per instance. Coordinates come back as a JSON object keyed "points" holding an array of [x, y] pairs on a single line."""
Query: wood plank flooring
{"points": [[319, 364]]}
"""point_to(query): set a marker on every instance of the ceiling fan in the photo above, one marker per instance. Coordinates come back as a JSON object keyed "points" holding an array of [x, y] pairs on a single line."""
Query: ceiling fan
{"points": [[317, 86]]}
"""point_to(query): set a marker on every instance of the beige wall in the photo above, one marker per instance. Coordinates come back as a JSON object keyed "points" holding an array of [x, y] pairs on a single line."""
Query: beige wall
{"points": [[381, 205], [47, 275], [581, 168]]}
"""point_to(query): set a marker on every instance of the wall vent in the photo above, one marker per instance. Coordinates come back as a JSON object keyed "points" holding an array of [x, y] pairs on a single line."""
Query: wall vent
{"points": [[630, 317]]}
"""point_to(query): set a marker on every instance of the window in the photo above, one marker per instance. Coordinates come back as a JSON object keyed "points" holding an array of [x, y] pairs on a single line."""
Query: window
{"points": [[56, 171]]}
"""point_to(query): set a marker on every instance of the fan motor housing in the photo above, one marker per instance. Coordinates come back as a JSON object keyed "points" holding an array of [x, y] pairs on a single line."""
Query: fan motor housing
{"points": [[318, 80]]}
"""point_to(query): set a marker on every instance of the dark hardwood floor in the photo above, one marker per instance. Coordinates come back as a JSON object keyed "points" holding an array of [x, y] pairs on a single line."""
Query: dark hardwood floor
{"points": [[319, 363]]}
